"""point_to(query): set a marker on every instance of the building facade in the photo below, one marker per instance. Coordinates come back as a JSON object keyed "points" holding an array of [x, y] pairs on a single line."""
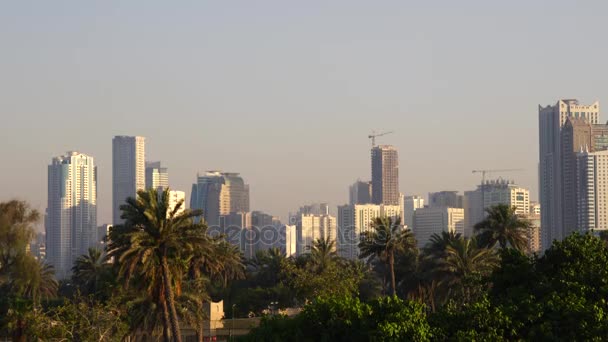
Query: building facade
{"points": [[128, 171], [71, 220], [312, 227], [492, 193], [385, 175], [592, 192], [449, 199], [552, 119], [157, 176], [410, 205], [360, 193], [353, 220], [219, 193], [429, 221]]}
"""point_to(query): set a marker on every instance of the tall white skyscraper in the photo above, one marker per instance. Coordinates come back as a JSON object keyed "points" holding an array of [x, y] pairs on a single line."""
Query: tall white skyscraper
{"points": [[592, 192], [552, 119], [157, 176], [353, 220], [71, 222], [128, 171]]}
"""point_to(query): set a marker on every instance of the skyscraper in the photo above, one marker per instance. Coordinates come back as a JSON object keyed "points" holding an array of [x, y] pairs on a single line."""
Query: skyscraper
{"points": [[353, 220], [219, 193], [385, 175], [360, 193], [312, 227], [429, 221], [592, 192], [552, 119], [410, 205], [71, 221], [445, 199], [128, 171], [157, 176], [495, 192]]}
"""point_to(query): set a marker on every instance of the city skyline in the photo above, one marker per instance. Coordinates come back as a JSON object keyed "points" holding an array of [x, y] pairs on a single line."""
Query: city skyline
{"points": [[116, 70]]}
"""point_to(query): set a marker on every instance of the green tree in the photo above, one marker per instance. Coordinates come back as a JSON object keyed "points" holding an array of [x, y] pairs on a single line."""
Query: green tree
{"points": [[503, 226], [92, 272], [153, 247], [466, 264], [346, 318], [322, 254], [385, 240]]}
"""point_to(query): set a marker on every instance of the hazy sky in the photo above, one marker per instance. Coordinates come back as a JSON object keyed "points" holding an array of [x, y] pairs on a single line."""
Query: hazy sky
{"points": [[286, 92]]}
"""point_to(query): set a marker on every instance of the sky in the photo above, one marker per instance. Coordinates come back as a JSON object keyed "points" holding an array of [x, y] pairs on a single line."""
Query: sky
{"points": [[286, 92]]}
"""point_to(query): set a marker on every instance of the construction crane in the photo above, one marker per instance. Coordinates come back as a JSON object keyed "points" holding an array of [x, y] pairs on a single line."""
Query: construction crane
{"points": [[484, 172], [373, 136], [483, 181]]}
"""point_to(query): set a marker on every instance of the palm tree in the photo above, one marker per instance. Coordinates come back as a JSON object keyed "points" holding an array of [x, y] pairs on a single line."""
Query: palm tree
{"points": [[36, 281], [503, 226], [464, 260], [159, 242], [266, 266], [322, 254], [385, 240], [435, 248], [90, 271]]}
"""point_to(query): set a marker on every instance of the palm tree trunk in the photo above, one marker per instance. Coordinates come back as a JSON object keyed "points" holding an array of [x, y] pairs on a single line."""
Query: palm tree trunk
{"points": [[166, 320], [391, 264], [170, 301]]}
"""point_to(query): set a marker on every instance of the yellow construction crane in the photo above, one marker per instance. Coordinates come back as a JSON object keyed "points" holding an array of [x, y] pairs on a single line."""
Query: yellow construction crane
{"points": [[373, 136]]}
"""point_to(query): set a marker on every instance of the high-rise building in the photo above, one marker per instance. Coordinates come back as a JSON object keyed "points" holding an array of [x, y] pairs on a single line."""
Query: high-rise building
{"points": [[288, 244], [535, 208], [429, 221], [237, 228], [353, 220], [360, 193], [312, 227], [592, 192], [445, 199], [410, 205], [552, 119], [492, 193], [534, 233], [157, 176], [267, 230], [219, 193], [128, 171], [71, 223], [385, 175]]}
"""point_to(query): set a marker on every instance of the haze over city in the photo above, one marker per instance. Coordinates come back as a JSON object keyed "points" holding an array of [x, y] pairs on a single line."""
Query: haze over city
{"points": [[286, 93]]}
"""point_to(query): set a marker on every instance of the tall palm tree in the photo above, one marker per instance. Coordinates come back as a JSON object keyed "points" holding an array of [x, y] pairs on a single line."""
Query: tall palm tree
{"points": [[90, 271], [322, 254], [160, 240], [385, 240], [503, 226]]}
